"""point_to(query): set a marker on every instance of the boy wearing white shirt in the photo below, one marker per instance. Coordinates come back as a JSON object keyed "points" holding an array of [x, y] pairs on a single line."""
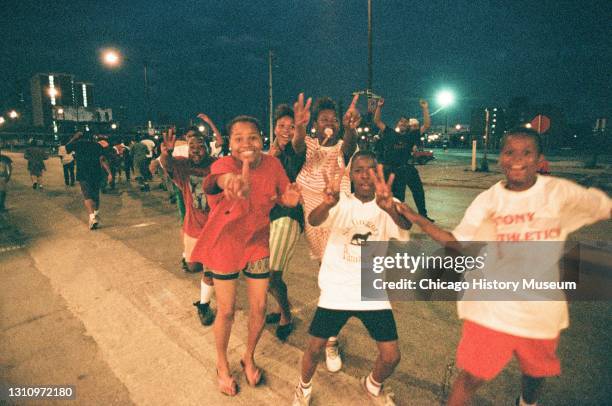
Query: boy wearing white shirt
{"points": [[524, 207], [368, 214]]}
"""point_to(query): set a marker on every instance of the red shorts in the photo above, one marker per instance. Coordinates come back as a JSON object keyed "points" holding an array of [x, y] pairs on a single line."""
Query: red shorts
{"points": [[483, 353]]}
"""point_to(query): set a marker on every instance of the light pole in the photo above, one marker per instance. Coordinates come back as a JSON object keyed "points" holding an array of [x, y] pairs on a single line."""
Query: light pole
{"points": [[112, 58], [270, 96]]}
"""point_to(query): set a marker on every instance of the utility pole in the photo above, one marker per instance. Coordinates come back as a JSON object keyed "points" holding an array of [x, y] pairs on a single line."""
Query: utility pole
{"points": [[370, 71], [270, 96]]}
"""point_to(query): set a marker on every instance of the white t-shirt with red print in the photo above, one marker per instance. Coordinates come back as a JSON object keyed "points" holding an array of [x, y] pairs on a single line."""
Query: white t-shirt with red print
{"points": [[548, 211]]}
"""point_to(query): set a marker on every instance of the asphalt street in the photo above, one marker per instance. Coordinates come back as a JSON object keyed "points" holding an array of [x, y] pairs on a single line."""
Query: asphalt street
{"points": [[110, 311]]}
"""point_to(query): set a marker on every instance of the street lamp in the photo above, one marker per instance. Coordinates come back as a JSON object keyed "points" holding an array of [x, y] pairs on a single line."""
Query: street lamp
{"points": [[13, 114], [113, 126], [112, 58], [2, 120]]}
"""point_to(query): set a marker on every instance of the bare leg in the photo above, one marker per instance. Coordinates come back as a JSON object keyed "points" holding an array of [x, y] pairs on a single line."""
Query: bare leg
{"points": [[90, 206], [464, 388], [278, 289], [312, 356], [226, 300], [388, 358], [257, 290]]}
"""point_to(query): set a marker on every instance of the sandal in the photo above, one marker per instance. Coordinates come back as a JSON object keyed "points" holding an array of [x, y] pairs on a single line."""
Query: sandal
{"points": [[228, 387], [258, 379]]}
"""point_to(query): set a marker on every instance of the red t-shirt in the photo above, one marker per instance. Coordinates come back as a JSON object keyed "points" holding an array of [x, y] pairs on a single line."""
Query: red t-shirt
{"points": [[238, 231], [189, 181]]}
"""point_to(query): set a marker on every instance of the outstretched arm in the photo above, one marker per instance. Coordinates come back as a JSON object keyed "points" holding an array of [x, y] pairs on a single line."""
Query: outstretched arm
{"points": [[438, 234]]}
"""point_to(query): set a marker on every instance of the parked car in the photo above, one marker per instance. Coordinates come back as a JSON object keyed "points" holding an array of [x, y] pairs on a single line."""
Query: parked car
{"points": [[421, 157]]}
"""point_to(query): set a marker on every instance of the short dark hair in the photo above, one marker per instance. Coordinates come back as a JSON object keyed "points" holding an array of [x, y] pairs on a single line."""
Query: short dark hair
{"points": [[282, 110], [364, 154], [523, 132], [324, 103], [243, 119]]}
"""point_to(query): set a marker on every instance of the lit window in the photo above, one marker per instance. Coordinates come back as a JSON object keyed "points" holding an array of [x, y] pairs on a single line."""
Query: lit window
{"points": [[84, 95], [52, 91]]}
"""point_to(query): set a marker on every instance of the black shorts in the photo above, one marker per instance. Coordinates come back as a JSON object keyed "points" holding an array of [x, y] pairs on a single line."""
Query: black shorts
{"points": [[90, 189], [379, 323]]}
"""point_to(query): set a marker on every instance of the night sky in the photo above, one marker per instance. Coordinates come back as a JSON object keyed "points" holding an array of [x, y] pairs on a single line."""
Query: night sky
{"points": [[211, 56]]}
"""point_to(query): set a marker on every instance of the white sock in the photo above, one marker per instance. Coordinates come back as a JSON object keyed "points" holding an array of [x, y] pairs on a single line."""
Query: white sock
{"points": [[373, 386], [96, 212], [306, 387], [206, 292], [332, 339], [184, 255], [523, 403]]}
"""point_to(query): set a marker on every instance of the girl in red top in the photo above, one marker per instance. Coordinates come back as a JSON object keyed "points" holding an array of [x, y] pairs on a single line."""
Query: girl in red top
{"points": [[245, 186]]}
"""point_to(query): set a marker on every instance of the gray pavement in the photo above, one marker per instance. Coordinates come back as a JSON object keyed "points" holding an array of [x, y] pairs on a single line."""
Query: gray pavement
{"points": [[110, 311]]}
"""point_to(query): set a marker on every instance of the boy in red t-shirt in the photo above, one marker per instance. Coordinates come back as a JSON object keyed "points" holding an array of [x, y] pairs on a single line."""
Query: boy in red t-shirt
{"points": [[236, 237], [187, 174]]}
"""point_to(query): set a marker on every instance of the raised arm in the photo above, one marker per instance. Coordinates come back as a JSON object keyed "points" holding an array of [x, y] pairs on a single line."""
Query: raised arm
{"points": [[384, 197], [216, 133], [301, 114], [350, 121], [167, 146], [426, 117], [377, 119]]}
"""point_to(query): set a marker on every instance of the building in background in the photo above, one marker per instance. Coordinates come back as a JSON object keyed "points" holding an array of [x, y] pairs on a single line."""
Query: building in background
{"points": [[63, 105]]}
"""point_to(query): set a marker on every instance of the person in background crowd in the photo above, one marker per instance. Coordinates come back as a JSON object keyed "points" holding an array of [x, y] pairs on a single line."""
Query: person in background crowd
{"points": [[36, 158], [325, 152], [396, 153], [90, 164], [6, 168], [68, 163]]}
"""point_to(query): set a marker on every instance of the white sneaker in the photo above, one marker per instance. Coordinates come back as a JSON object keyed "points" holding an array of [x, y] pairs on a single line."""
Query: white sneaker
{"points": [[333, 362], [93, 223], [384, 398], [299, 399]]}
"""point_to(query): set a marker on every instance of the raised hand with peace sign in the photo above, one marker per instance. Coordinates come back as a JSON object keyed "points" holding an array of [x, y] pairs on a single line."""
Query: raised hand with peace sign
{"points": [[384, 194]]}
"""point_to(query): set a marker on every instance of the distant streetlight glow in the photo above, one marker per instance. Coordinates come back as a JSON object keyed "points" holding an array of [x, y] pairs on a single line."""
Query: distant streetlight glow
{"points": [[13, 114], [60, 111], [201, 128], [528, 125], [445, 98], [2, 120], [458, 127], [114, 126], [111, 57]]}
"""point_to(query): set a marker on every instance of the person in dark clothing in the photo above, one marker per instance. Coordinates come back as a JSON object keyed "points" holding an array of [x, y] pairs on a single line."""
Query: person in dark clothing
{"points": [[90, 164], [286, 223], [396, 150], [36, 158], [6, 168]]}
